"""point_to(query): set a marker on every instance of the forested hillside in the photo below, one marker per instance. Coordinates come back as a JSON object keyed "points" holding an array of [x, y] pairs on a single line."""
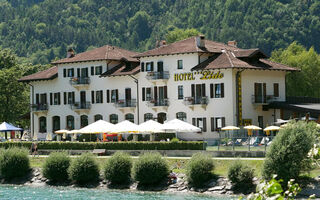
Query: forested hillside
{"points": [[41, 30]]}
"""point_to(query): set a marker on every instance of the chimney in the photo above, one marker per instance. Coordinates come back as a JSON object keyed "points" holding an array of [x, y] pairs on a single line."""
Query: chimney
{"points": [[200, 41], [160, 43], [70, 53], [232, 43]]}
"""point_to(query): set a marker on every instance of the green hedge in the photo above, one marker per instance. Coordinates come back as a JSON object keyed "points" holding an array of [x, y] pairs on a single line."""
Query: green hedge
{"points": [[109, 145]]}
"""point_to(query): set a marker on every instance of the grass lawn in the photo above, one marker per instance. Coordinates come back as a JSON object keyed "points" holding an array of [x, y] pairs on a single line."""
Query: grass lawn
{"points": [[179, 165]]}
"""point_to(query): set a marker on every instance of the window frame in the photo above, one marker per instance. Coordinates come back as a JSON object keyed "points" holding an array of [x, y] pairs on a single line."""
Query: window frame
{"points": [[180, 90], [98, 70], [180, 64]]}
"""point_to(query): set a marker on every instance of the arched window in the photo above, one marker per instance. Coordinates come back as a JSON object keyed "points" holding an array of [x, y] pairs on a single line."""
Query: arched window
{"points": [[83, 121], [148, 116], [55, 123], [42, 124], [162, 117], [129, 117], [70, 122], [182, 116], [97, 117], [113, 119]]}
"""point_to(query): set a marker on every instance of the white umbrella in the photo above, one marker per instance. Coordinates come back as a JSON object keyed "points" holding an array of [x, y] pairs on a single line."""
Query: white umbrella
{"points": [[126, 127], [99, 126], [151, 126], [272, 128], [61, 131], [230, 128], [180, 126]]}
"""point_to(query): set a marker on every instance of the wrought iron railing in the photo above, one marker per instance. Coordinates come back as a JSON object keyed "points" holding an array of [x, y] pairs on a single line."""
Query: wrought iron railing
{"points": [[261, 99], [158, 102], [80, 80], [123, 103], [196, 100], [80, 105], [158, 75], [39, 107]]}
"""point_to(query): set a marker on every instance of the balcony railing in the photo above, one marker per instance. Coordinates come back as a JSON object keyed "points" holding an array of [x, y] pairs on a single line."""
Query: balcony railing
{"points": [[260, 99], [158, 102], [81, 106], [80, 80], [123, 103], [196, 100], [39, 107], [158, 75]]}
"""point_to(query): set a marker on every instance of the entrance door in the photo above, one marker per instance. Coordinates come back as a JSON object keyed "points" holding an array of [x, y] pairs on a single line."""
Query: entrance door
{"points": [[162, 117], [128, 96], [83, 99]]}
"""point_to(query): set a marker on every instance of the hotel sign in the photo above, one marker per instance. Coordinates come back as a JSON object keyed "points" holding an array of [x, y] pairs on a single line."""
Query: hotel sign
{"points": [[204, 75]]}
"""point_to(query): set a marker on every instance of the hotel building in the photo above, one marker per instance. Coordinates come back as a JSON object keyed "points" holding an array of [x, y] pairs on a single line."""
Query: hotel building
{"points": [[205, 83]]}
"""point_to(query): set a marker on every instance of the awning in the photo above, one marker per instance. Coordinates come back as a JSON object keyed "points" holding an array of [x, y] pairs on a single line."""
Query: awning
{"points": [[297, 107], [8, 127]]}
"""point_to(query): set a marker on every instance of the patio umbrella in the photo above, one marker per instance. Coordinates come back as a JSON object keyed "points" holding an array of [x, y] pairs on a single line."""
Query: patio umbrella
{"points": [[74, 132], [180, 126], [126, 127], [151, 126], [271, 128], [230, 128], [99, 126], [61, 131], [250, 128], [8, 127]]}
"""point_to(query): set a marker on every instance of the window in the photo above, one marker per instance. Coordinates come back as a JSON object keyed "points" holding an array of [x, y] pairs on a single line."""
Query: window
{"points": [[129, 117], [83, 121], [70, 72], [180, 92], [70, 97], [108, 96], [180, 64], [220, 122], [42, 124], [201, 123], [219, 90], [55, 123], [142, 66], [99, 96], [114, 96], [113, 119], [148, 94], [148, 116], [92, 70], [149, 66], [182, 116], [70, 122], [276, 89], [64, 72], [56, 98], [98, 70], [97, 117]]}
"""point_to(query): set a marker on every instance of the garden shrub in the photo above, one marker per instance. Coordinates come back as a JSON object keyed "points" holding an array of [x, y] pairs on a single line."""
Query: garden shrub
{"points": [[288, 153], [84, 169], [174, 139], [150, 169], [241, 176], [56, 166], [88, 138], [117, 169], [199, 169], [14, 162]]}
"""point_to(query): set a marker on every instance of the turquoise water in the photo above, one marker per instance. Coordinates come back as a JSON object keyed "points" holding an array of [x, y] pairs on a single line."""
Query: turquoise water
{"points": [[68, 193]]}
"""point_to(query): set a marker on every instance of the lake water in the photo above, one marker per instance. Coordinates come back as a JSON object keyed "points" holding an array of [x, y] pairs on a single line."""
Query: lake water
{"points": [[68, 193]]}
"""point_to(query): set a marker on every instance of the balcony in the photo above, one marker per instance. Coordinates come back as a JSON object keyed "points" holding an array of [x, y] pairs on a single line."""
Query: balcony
{"points": [[158, 76], [158, 103], [196, 101], [125, 105], [80, 82], [81, 106], [262, 100], [39, 107]]}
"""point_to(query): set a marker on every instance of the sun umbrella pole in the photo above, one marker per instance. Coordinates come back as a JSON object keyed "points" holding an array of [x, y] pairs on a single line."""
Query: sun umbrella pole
{"points": [[232, 142]]}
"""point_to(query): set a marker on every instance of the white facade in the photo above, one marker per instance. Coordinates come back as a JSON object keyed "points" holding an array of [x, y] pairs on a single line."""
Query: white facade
{"points": [[208, 113]]}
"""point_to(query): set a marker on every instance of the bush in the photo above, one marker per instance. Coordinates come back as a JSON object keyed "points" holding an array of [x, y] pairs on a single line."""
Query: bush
{"points": [[88, 138], [56, 167], [199, 169], [151, 169], [241, 176], [181, 145], [118, 168], [14, 162], [84, 169], [288, 153], [174, 140]]}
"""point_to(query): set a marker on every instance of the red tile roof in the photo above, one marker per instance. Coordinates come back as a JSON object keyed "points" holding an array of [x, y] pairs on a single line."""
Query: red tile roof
{"points": [[122, 70], [106, 52], [187, 46], [47, 74], [228, 59]]}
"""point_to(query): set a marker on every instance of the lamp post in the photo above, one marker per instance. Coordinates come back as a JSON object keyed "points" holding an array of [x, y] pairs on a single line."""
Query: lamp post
{"points": [[137, 83]]}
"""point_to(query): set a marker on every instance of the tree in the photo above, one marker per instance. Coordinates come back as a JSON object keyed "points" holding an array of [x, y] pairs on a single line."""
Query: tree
{"points": [[180, 34], [307, 81], [140, 24]]}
